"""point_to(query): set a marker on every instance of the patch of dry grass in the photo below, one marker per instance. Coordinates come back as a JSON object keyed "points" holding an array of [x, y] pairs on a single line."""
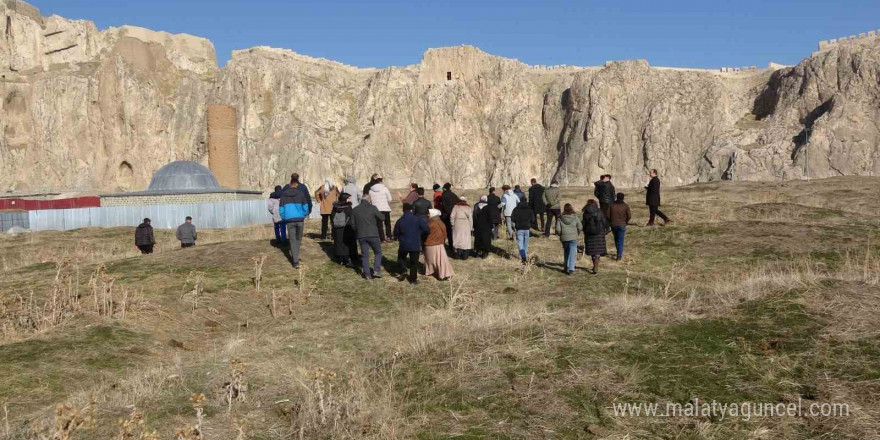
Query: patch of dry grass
{"points": [[756, 291]]}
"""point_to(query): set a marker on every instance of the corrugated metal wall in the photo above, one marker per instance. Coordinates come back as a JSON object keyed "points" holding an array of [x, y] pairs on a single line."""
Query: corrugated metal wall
{"points": [[205, 215], [10, 219]]}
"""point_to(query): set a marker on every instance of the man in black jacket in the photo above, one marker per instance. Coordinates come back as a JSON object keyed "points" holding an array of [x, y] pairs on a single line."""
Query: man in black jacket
{"points": [[493, 205], [652, 199], [448, 200], [536, 201], [144, 238], [421, 205], [604, 193], [365, 220]]}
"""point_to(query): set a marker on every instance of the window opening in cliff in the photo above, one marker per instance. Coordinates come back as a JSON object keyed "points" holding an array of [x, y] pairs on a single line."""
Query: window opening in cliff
{"points": [[448, 76]]}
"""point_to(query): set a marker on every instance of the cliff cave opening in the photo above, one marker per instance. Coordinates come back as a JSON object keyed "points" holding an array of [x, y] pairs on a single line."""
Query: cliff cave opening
{"points": [[124, 175], [448, 76]]}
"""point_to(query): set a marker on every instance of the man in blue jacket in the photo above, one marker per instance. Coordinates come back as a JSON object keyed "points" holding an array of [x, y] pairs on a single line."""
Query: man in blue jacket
{"points": [[408, 231], [295, 206]]}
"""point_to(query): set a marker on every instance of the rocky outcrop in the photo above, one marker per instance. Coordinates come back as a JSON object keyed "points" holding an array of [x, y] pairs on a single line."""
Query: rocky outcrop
{"points": [[89, 110], [96, 110]]}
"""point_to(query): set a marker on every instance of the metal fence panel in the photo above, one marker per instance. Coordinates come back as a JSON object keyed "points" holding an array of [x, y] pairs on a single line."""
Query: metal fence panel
{"points": [[8, 220], [205, 215]]}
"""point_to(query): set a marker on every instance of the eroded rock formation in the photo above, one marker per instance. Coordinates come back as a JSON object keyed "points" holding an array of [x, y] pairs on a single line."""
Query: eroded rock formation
{"points": [[97, 110]]}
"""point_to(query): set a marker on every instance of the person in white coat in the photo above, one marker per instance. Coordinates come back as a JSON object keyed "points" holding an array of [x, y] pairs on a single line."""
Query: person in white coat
{"points": [[350, 187], [380, 197], [509, 202]]}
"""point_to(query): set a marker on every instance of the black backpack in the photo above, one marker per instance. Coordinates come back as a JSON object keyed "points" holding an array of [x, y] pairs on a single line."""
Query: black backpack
{"points": [[340, 219]]}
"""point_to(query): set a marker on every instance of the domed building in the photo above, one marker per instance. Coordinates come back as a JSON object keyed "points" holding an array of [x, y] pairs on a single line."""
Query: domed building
{"points": [[180, 183]]}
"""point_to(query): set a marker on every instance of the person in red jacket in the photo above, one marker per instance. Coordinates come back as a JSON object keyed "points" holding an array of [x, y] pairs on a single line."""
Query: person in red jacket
{"points": [[438, 197]]}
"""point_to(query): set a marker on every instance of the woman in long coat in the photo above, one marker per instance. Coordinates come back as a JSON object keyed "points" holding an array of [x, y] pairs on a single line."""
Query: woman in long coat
{"points": [[436, 261], [327, 195], [483, 228], [344, 243], [462, 225], [595, 228]]}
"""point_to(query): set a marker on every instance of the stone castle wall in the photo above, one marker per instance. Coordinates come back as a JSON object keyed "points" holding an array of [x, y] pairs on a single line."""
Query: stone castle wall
{"points": [[828, 44]]}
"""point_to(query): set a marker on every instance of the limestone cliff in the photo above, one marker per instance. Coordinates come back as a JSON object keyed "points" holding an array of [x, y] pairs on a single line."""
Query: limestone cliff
{"points": [[101, 110]]}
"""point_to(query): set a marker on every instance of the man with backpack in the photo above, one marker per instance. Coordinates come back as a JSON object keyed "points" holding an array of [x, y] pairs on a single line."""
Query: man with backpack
{"points": [[295, 207]]}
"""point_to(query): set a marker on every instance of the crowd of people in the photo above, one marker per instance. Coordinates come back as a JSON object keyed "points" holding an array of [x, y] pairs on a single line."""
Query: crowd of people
{"points": [[446, 226]]}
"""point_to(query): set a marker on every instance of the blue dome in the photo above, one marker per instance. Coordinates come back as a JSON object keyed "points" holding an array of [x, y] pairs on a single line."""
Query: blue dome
{"points": [[183, 175]]}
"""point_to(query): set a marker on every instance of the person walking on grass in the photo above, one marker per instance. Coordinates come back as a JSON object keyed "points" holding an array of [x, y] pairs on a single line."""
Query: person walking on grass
{"points": [[380, 197], [436, 261], [536, 201], [349, 186], [462, 222], [569, 228], [296, 206], [326, 196], [144, 238], [448, 202], [493, 204], [483, 228], [366, 221], [509, 202], [604, 193], [620, 217], [344, 241], [652, 199], [274, 205], [595, 229], [553, 202], [186, 233], [421, 205], [521, 218], [408, 231]]}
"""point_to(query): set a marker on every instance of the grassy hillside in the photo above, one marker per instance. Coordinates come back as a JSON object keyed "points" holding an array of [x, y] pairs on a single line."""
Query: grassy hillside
{"points": [[756, 293]]}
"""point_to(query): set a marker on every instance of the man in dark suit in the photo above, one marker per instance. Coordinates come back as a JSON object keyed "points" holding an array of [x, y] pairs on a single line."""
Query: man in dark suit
{"points": [[652, 199]]}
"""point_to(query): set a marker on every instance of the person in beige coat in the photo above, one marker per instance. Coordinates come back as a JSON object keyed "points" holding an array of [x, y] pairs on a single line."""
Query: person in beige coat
{"points": [[326, 195], [462, 221]]}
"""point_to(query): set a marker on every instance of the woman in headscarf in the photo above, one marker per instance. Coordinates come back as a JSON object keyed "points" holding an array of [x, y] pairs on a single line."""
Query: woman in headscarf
{"points": [[344, 246], [326, 196], [483, 228], [436, 261], [462, 224], [595, 228], [273, 205]]}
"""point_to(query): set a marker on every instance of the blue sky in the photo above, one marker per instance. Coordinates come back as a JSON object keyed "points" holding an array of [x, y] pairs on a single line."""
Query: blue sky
{"points": [[380, 33]]}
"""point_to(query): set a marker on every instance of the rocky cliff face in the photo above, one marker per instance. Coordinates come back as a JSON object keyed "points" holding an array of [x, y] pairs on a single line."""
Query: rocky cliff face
{"points": [[102, 110]]}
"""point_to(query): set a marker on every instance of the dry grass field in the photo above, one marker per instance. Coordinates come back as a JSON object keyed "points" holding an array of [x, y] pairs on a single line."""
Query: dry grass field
{"points": [[758, 292]]}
